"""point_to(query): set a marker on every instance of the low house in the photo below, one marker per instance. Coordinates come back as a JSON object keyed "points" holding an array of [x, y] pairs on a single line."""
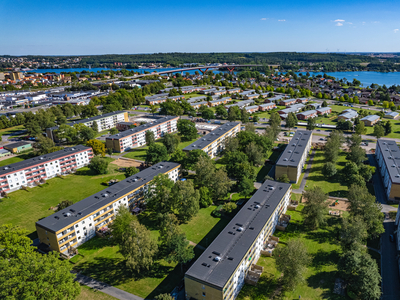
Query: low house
{"points": [[392, 115], [287, 102], [370, 120], [178, 97], [197, 105], [264, 95], [302, 100], [348, 114], [197, 99], [251, 109], [154, 101], [234, 91], [251, 96], [324, 110], [267, 106], [18, 147], [219, 92], [305, 115], [314, 105], [209, 91], [217, 102]]}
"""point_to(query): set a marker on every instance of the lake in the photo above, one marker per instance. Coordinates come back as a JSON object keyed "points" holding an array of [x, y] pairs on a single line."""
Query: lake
{"points": [[365, 77]]}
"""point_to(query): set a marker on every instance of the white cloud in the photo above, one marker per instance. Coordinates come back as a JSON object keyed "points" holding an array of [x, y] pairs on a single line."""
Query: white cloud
{"points": [[350, 23], [282, 20], [263, 19], [339, 20], [395, 30], [339, 24], [363, 23], [376, 22]]}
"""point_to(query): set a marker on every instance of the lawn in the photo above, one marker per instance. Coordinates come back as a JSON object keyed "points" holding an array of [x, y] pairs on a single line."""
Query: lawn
{"points": [[8, 131], [333, 187], [10, 160], [24, 208], [320, 276], [101, 260], [88, 293]]}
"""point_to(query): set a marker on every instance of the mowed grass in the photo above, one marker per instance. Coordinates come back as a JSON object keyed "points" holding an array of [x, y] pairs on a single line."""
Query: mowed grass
{"points": [[320, 275], [10, 161], [11, 130], [332, 186], [24, 208], [88, 293], [101, 260]]}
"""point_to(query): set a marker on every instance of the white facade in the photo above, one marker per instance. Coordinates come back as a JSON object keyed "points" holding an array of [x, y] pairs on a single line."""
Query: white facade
{"points": [[107, 122], [219, 145]]}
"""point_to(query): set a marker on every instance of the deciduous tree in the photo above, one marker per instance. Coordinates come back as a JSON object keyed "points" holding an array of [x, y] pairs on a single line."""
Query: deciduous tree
{"points": [[156, 153], [150, 139], [98, 147], [315, 208], [171, 142], [98, 165], [187, 129], [186, 200]]}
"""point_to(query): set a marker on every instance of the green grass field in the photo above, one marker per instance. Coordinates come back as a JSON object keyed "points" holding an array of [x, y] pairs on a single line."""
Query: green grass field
{"points": [[10, 160], [101, 260], [10, 130], [24, 208], [88, 293], [320, 276]]}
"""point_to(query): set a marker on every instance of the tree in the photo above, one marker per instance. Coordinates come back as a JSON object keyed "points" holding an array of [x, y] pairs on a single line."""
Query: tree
{"points": [[344, 125], [388, 127], [360, 128], [379, 131], [356, 154], [186, 200], [292, 261], [179, 157], [291, 120], [150, 139], [245, 187], [324, 104], [207, 113], [130, 171], [284, 178], [221, 111], [315, 208], [205, 170], [43, 145], [168, 228], [180, 252], [138, 247], [353, 233], [370, 102], [164, 296], [362, 273], [98, 147], [205, 197], [329, 169], [234, 113], [87, 133], [362, 203], [193, 157], [229, 207], [95, 126], [350, 169], [171, 142], [109, 151], [113, 131], [332, 146], [120, 224], [221, 184], [98, 165], [156, 153], [366, 171], [311, 124], [26, 274], [158, 196], [187, 129], [254, 153], [256, 119], [64, 204], [231, 144], [244, 115]]}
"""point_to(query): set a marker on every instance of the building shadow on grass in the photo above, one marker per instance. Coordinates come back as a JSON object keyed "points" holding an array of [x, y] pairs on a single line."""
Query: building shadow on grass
{"points": [[325, 281], [267, 287], [213, 233]]}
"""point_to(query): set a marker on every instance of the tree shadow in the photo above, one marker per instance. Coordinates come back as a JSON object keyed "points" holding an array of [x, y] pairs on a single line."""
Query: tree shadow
{"points": [[322, 237], [324, 258], [85, 172], [267, 286], [324, 281]]}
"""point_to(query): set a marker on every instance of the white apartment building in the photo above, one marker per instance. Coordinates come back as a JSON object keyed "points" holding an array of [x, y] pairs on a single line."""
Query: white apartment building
{"points": [[30, 171], [220, 272], [136, 137], [213, 142]]}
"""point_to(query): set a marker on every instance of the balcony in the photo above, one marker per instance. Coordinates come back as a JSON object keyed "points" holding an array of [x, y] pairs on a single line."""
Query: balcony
{"points": [[253, 275], [293, 205], [283, 222], [269, 246]]}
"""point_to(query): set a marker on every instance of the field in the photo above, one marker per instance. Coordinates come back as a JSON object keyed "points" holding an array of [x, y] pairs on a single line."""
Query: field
{"points": [[89, 294], [11, 130], [102, 261], [10, 160], [320, 276], [24, 208]]}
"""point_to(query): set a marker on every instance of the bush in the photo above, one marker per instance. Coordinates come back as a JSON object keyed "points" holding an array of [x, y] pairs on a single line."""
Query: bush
{"points": [[229, 207], [216, 213], [392, 214], [98, 165]]}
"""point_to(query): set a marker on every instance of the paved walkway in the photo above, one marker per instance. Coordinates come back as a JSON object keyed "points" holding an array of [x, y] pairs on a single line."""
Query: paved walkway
{"points": [[196, 245], [105, 288], [300, 190]]}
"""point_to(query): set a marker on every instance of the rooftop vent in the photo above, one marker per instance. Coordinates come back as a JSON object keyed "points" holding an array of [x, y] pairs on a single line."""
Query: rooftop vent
{"points": [[56, 217], [285, 159], [216, 253], [105, 195], [67, 214], [240, 229], [290, 151], [217, 258], [271, 187]]}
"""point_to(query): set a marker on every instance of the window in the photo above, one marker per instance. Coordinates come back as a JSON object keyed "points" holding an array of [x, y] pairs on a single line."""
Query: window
{"points": [[90, 224], [76, 226], [204, 294], [79, 237]]}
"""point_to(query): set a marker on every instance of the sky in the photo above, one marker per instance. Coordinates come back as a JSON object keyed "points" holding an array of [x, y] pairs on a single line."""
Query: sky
{"points": [[128, 27]]}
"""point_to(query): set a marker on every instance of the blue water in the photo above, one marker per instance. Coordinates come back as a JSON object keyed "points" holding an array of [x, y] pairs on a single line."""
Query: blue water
{"points": [[366, 78]]}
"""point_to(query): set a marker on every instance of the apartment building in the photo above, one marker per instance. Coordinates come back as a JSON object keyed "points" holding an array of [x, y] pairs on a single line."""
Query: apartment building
{"points": [[220, 272], [30, 171], [387, 155], [136, 137], [104, 122], [293, 158], [69, 228], [213, 142]]}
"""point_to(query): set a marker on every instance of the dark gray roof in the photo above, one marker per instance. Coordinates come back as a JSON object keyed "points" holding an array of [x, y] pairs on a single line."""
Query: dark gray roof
{"points": [[17, 144], [41, 159], [95, 118], [295, 149], [96, 201], [232, 245], [140, 128], [391, 158], [211, 137]]}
